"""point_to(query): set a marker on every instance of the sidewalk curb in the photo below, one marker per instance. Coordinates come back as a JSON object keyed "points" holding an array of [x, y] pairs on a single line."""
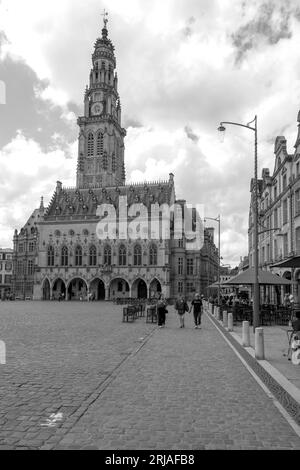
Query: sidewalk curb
{"points": [[275, 373], [283, 390]]}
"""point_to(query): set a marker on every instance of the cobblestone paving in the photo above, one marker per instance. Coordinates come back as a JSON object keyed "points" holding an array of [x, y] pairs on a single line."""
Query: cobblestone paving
{"points": [[58, 355], [178, 389], [185, 390]]}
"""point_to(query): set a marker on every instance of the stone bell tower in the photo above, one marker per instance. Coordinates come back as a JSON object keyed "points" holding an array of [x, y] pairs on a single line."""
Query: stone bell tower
{"points": [[101, 137]]}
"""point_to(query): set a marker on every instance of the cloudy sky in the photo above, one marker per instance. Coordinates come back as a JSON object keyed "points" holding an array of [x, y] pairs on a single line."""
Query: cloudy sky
{"points": [[183, 66]]}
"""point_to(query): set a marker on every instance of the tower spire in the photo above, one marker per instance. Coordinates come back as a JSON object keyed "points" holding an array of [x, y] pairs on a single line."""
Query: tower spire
{"points": [[105, 21]]}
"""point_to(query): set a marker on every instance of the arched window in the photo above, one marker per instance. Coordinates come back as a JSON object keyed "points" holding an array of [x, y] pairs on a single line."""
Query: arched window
{"points": [[90, 145], [99, 144], [153, 255], [30, 267], [122, 256], [114, 163], [107, 255], [93, 256], [137, 255], [78, 256], [19, 267], [64, 256], [104, 161], [50, 256]]}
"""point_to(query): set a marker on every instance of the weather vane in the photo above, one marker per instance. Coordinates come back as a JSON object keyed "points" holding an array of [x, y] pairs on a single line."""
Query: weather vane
{"points": [[105, 17]]}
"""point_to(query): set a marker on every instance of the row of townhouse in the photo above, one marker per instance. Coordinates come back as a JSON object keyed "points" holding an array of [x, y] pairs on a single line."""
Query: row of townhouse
{"points": [[278, 218]]}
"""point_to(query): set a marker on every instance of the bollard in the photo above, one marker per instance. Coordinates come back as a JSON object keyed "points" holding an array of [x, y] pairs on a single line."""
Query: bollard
{"points": [[259, 344], [225, 319], [218, 314], [230, 321], [2, 353], [246, 334]]}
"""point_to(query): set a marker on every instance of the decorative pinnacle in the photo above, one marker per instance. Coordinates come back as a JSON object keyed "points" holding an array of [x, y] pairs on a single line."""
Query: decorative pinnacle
{"points": [[105, 18]]}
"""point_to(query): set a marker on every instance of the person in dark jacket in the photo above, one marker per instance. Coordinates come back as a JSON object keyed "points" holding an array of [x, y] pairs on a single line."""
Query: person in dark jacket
{"points": [[196, 305], [161, 311]]}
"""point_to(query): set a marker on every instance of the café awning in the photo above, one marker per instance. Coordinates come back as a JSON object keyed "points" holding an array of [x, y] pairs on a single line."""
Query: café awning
{"points": [[264, 278], [293, 262]]}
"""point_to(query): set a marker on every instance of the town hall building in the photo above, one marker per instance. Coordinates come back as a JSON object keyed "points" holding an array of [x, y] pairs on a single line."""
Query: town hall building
{"points": [[59, 254]]}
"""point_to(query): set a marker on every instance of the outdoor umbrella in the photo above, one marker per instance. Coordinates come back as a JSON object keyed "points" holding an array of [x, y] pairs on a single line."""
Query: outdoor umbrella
{"points": [[289, 263], [264, 278]]}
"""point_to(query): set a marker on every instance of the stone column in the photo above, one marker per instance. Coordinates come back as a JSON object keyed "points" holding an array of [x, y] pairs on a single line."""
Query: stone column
{"points": [[106, 291]]}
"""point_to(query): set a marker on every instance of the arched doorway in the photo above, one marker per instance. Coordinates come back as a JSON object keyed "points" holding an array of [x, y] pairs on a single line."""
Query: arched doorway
{"points": [[59, 290], [119, 288], [139, 289], [46, 290], [155, 288], [97, 289], [77, 289]]}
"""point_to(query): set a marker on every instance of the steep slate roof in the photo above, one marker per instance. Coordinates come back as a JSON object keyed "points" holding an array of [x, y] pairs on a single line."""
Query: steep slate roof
{"points": [[80, 204], [32, 222]]}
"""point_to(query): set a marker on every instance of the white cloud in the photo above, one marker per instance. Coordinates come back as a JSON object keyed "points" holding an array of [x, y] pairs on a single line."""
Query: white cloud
{"points": [[26, 174], [177, 68]]}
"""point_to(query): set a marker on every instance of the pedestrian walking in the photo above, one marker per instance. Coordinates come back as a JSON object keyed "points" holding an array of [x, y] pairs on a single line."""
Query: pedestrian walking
{"points": [[196, 306], [182, 307], [161, 311]]}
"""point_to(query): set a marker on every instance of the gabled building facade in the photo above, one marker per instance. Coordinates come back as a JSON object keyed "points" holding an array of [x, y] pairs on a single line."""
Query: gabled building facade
{"points": [[73, 257], [279, 217]]}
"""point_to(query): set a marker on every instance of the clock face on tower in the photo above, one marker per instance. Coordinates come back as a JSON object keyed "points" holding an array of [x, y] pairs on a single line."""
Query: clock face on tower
{"points": [[97, 109]]}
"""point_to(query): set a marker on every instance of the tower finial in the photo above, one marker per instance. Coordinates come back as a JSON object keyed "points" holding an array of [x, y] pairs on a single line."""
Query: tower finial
{"points": [[105, 18]]}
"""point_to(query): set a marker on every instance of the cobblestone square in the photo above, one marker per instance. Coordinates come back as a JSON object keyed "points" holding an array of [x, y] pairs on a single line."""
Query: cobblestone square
{"points": [[58, 354], [77, 377]]}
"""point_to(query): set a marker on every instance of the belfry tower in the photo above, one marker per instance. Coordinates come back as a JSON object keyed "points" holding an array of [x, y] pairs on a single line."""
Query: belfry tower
{"points": [[101, 137]]}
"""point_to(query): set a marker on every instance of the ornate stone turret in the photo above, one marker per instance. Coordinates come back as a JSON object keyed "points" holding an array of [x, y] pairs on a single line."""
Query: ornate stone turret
{"points": [[101, 137]]}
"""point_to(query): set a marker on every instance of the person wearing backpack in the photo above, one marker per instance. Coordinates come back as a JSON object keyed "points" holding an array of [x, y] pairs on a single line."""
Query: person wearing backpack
{"points": [[182, 307], [196, 305]]}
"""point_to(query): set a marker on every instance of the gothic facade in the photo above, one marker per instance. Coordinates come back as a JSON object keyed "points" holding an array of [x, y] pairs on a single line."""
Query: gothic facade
{"points": [[60, 251]]}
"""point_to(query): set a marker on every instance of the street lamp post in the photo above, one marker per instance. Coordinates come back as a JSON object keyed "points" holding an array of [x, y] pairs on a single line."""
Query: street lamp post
{"points": [[222, 129], [218, 219]]}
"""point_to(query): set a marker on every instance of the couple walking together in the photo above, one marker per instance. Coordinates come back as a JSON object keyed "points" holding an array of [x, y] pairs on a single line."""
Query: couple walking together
{"points": [[182, 307]]}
